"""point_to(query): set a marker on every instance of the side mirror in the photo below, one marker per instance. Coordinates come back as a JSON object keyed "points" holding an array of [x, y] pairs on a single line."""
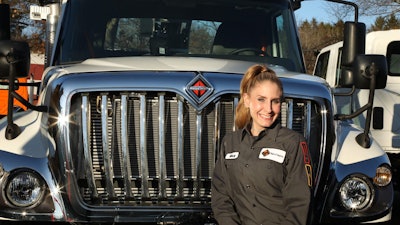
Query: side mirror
{"points": [[353, 42], [14, 52], [14, 63], [353, 45], [365, 66], [4, 21], [368, 72]]}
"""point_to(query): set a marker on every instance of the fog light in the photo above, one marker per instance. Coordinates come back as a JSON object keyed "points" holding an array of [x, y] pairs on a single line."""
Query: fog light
{"points": [[25, 189], [355, 193], [383, 176]]}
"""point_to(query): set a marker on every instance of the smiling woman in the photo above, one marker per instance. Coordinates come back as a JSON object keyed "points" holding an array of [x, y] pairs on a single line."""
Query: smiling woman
{"points": [[136, 107], [261, 143]]}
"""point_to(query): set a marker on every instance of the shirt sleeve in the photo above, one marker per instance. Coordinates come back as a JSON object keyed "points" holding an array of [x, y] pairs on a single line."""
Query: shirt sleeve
{"points": [[297, 187], [221, 201]]}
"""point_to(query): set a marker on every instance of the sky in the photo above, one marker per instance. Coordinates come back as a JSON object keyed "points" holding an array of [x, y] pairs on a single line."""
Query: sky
{"points": [[320, 11]]}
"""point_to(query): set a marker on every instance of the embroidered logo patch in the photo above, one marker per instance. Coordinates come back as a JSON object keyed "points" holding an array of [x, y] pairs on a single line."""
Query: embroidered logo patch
{"points": [[273, 154], [307, 162], [232, 155]]}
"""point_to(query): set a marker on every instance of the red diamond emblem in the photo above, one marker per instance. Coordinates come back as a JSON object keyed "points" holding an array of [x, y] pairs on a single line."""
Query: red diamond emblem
{"points": [[199, 88]]}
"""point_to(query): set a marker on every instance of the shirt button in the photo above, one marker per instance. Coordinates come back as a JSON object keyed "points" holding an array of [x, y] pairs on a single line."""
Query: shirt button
{"points": [[247, 186], [247, 165]]}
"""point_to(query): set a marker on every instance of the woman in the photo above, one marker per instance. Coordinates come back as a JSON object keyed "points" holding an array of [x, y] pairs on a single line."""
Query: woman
{"points": [[260, 176]]}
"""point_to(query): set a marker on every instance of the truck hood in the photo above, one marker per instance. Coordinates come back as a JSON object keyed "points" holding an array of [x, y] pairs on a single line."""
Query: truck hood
{"points": [[175, 64]]}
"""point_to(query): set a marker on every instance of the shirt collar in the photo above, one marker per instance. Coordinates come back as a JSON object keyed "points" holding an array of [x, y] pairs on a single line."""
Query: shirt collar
{"points": [[272, 131]]}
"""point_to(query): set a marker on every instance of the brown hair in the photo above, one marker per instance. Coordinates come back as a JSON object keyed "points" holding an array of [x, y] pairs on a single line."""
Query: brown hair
{"points": [[255, 74]]}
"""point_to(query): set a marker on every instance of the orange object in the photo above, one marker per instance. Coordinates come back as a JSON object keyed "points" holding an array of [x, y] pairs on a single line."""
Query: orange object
{"points": [[22, 90]]}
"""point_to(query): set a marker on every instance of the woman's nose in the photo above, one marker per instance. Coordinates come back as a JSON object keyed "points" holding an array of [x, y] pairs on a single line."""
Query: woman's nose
{"points": [[268, 107]]}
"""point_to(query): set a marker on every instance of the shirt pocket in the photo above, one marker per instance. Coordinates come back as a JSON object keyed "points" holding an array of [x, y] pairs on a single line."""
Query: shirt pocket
{"points": [[267, 165], [234, 167], [269, 170], [232, 164]]}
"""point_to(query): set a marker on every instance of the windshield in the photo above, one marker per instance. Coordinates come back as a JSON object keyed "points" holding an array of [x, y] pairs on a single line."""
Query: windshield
{"points": [[262, 32]]}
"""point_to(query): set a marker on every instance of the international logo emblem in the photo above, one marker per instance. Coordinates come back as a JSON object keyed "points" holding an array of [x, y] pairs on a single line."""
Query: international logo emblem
{"points": [[265, 152], [199, 88]]}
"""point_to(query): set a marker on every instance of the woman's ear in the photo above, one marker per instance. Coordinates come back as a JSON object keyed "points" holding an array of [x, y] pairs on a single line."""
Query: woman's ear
{"points": [[246, 100]]}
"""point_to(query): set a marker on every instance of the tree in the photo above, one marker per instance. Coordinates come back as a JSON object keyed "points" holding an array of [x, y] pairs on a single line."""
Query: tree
{"points": [[385, 23], [23, 28], [315, 35], [380, 8]]}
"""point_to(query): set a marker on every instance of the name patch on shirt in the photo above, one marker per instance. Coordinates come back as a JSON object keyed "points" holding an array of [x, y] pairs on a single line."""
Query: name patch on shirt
{"points": [[273, 154], [232, 155]]}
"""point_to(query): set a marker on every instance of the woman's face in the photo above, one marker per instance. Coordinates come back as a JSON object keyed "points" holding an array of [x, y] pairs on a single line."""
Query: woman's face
{"points": [[264, 103]]}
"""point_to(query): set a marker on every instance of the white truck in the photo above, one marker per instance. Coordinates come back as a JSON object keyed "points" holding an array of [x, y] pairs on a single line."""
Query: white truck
{"points": [[137, 96], [385, 126]]}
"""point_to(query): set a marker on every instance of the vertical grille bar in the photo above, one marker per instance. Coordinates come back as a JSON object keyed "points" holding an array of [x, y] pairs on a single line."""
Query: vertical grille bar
{"points": [[86, 120], [161, 142], [143, 147], [126, 171], [180, 150], [235, 103], [199, 123], [307, 120], [107, 157], [321, 153], [217, 133], [289, 119]]}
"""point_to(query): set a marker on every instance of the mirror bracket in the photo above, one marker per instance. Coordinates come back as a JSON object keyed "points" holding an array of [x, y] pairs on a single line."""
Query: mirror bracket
{"points": [[12, 129]]}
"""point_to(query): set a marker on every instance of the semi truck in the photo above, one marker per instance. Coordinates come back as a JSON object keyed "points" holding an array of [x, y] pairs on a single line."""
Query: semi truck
{"points": [[138, 94], [385, 126]]}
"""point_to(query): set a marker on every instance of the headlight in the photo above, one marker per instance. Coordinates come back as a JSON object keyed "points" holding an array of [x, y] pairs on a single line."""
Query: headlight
{"points": [[355, 193], [25, 189], [383, 176]]}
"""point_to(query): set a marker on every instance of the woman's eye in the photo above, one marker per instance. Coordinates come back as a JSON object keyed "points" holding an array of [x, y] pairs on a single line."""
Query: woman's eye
{"points": [[276, 101], [261, 99]]}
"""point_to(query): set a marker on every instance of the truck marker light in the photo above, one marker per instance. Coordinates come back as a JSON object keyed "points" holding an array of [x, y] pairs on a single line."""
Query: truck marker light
{"points": [[383, 176]]}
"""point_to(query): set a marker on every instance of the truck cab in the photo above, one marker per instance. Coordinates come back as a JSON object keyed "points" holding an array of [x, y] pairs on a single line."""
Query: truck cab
{"points": [[137, 96]]}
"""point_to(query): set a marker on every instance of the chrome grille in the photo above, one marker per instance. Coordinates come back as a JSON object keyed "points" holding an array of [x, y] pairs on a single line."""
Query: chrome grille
{"points": [[155, 148]]}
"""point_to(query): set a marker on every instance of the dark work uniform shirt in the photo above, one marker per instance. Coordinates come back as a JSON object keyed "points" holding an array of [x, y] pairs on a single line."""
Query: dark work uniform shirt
{"points": [[263, 179]]}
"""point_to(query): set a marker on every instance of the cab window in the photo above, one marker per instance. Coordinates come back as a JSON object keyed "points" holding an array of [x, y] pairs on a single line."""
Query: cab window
{"points": [[393, 58], [321, 67]]}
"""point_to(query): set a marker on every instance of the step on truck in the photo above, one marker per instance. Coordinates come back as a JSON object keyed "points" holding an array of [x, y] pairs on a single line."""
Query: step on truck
{"points": [[385, 125], [138, 94]]}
